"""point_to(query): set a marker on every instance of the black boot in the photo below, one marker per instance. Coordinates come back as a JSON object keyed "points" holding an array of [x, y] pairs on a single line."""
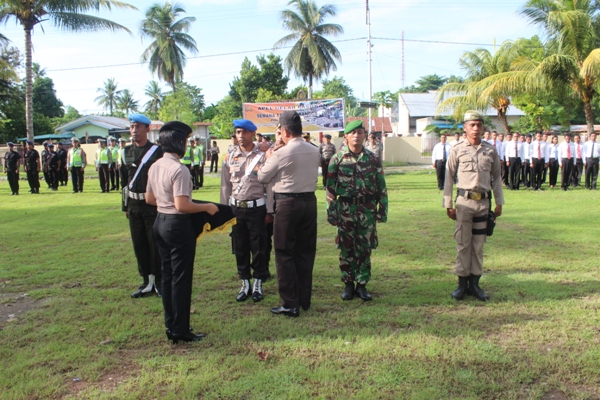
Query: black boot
{"points": [[348, 293], [461, 290], [257, 294], [361, 291], [475, 290]]}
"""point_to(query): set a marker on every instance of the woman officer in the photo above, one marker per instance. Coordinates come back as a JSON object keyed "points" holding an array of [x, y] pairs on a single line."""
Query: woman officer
{"points": [[170, 189]]}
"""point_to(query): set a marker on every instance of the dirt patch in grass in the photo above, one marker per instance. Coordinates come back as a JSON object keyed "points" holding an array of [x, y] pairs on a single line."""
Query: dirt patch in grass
{"points": [[13, 307], [554, 395], [110, 379]]}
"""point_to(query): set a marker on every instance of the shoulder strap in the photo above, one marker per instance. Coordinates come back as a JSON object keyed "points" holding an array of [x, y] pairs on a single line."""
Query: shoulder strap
{"points": [[249, 169], [147, 156]]}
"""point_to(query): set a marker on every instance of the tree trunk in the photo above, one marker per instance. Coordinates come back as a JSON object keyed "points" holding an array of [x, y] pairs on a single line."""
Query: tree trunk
{"points": [[310, 86], [28, 83], [589, 116], [503, 121]]}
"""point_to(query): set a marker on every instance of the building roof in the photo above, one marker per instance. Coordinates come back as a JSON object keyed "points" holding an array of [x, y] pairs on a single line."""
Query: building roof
{"points": [[377, 123], [50, 136], [425, 105], [98, 120]]}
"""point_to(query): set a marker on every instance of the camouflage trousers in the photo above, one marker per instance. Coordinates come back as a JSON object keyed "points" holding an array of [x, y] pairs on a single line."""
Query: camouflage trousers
{"points": [[356, 237]]}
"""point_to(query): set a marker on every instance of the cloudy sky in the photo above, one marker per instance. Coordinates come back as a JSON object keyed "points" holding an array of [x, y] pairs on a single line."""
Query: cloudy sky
{"points": [[436, 32]]}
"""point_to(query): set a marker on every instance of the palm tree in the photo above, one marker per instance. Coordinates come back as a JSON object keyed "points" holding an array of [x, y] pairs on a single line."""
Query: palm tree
{"points": [[108, 95], [472, 93], [126, 102], [66, 14], [165, 55], [154, 92], [311, 56]]}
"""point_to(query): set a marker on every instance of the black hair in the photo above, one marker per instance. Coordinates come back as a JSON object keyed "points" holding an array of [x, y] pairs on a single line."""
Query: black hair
{"points": [[173, 141], [295, 130]]}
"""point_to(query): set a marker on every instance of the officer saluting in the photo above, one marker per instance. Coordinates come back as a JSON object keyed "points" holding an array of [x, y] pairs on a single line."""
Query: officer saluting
{"points": [[138, 158], [478, 168]]}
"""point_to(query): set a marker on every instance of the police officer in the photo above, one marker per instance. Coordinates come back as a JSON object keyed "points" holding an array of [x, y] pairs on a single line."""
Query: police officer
{"points": [[375, 147], [188, 157], [76, 162], [44, 156], [291, 168], [199, 156], [478, 167], [103, 165], [11, 167], [326, 151], [121, 162], [241, 189], [114, 172], [357, 200], [63, 175], [54, 167], [592, 156], [139, 156], [32, 168]]}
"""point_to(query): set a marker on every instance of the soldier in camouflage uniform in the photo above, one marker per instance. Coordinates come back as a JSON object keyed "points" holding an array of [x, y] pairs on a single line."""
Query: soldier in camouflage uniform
{"points": [[357, 200]]}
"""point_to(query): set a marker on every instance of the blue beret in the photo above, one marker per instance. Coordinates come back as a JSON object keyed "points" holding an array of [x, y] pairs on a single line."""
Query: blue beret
{"points": [[244, 124], [11, 144], [139, 118], [50, 145], [30, 142]]}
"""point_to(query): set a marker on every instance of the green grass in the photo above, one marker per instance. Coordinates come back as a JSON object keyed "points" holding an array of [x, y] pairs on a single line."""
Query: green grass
{"points": [[539, 334]]}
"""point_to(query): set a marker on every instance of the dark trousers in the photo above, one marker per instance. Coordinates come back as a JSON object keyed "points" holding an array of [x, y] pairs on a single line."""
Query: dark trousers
{"points": [[440, 173], [64, 176], [123, 175], [114, 177], [553, 171], [545, 173], [591, 172], [13, 181], [269, 246], [54, 176], [141, 224], [324, 168], [537, 173], [33, 178], [514, 170], [295, 241], [504, 172], [577, 172], [177, 247], [565, 172], [104, 177], [47, 177], [77, 179], [214, 160], [526, 173], [249, 242], [196, 177]]}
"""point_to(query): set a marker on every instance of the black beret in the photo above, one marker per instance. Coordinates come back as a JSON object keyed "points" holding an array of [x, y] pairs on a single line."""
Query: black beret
{"points": [[290, 118], [176, 126]]}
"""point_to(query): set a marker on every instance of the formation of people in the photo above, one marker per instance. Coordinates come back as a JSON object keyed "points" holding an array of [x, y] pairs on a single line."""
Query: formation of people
{"points": [[531, 160]]}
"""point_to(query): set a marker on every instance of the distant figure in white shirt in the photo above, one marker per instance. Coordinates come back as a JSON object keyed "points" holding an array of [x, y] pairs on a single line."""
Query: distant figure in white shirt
{"points": [[566, 158], [439, 156], [539, 159], [526, 163], [591, 152], [487, 135], [553, 156], [456, 139], [503, 166], [512, 155], [577, 172]]}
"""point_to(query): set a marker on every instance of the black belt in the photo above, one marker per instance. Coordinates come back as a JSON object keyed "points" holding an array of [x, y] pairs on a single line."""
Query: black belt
{"points": [[305, 195], [474, 195], [357, 199]]}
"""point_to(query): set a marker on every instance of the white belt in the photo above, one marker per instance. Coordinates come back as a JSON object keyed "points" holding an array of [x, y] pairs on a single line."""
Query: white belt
{"points": [[137, 196], [247, 204]]}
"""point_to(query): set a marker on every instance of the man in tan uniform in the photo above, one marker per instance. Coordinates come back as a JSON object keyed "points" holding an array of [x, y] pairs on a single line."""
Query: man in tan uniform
{"points": [[477, 165]]}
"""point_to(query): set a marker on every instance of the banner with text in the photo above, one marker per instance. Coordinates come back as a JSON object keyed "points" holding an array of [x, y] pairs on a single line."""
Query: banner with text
{"points": [[317, 115]]}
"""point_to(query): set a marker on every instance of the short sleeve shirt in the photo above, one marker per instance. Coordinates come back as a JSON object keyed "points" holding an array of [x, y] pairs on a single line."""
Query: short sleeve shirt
{"points": [[169, 178]]}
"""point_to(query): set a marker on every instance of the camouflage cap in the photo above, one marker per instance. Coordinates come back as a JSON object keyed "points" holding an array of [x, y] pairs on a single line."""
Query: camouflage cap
{"points": [[473, 115]]}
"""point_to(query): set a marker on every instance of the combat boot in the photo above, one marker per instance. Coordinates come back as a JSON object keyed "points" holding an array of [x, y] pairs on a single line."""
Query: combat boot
{"points": [[257, 294], [475, 290], [348, 293], [361, 291], [463, 287], [244, 291], [145, 288]]}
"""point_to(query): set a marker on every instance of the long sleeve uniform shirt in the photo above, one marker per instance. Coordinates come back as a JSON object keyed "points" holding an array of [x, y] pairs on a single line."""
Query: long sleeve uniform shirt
{"points": [[566, 150], [513, 149], [477, 168], [539, 150], [591, 150]]}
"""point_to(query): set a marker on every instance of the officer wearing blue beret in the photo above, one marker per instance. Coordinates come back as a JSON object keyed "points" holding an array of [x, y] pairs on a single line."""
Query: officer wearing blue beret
{"points": [[11, 167], [32, 168], [138, 158]]}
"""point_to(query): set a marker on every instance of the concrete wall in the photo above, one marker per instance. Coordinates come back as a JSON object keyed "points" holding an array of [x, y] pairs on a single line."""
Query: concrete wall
{"points": [[403, 149]]}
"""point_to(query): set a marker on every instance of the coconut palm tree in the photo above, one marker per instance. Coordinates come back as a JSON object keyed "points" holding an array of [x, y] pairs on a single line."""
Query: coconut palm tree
{"points": [[108, 95], [65, 14], [312, 55], [165, 55], [154, 92], [126, 103], [470, 94]]}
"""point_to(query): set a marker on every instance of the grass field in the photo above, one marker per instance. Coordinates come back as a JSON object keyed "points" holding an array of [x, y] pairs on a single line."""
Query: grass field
{"points": [[70, 330]]}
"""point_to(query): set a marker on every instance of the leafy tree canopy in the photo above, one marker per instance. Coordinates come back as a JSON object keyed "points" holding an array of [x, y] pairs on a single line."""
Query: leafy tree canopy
{"points": [[185, 104], [267, 75]]}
